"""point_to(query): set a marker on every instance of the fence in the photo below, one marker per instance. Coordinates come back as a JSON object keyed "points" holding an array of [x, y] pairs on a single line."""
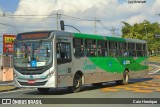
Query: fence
{"points": [[7, 61], [6, 71]]}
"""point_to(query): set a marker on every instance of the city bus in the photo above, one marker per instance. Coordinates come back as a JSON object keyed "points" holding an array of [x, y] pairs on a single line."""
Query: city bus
{"points": [[54, 59]]}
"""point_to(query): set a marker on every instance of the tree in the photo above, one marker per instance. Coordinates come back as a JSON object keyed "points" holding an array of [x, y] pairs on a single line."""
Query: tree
{"points": [[144, 31]]}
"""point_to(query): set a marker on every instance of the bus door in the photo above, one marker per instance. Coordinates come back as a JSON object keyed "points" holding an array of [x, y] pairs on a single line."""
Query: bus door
{"points": [[63, 50]]}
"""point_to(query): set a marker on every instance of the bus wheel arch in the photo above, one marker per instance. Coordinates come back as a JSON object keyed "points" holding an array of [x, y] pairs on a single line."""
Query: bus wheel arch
{"points": [[81, 74], [126, 70], [77, 82]]}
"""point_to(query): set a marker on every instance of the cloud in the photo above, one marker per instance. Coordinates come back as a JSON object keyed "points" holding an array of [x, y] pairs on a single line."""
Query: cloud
{"points": [[111, 12], [155, 7], [136, 19]]}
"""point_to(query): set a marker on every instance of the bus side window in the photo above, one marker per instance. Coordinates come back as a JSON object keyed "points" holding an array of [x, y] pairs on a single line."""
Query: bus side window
{"points": [[123, 49], [113, 49], [78, 47], [91, 48], [102, 48], [131, 49], [139, 49]]}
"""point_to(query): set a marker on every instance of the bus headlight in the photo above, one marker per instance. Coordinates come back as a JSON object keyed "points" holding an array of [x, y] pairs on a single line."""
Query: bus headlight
{"points": [[50, 74]]}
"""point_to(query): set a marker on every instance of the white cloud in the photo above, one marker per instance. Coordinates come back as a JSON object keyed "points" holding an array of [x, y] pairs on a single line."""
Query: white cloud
{"points": [[111, 12], [136, 19], [156, 7]]}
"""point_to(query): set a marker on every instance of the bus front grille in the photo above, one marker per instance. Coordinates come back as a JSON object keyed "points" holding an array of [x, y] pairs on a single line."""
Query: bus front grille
{"points": [[34, 84], [31, 73]]}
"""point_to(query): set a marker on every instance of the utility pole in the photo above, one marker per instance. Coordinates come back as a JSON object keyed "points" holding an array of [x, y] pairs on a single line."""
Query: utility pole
{"points": [[113, 31], [58, 20], [145, 30], [95, 25], [95, 29]]}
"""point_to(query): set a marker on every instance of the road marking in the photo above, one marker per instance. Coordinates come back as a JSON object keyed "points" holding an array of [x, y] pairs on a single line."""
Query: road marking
{"points": [[6, 85], [110, 89], [19, 90], [154, 72], [148, 86], [143, 91]]}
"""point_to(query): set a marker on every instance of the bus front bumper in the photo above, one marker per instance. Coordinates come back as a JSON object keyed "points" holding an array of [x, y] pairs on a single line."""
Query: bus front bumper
{"points": [[46, 83]]}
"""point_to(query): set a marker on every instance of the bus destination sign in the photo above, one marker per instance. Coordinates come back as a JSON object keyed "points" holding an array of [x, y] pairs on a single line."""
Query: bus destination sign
{"points": [[34, 36]]}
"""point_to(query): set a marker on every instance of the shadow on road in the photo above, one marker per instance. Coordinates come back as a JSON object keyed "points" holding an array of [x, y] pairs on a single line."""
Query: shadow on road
{"points": [[137, 80], [64, 91]]}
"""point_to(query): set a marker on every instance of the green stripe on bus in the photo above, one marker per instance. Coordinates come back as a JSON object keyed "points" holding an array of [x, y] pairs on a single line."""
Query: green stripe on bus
{"points": [[116, 39], [90, 36], [118, 65]]}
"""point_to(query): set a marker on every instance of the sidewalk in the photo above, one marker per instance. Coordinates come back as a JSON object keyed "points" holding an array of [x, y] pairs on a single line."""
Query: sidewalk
{"points": [[6, 83], [155, 69], [7, 86]]}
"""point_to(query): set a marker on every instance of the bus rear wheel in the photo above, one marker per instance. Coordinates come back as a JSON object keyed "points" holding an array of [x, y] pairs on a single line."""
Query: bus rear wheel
{"points": [[125, 79], [43, 90], [77, 83]]}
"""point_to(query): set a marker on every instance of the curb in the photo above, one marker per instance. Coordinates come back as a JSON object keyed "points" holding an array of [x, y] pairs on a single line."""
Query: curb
{"points": [[10, 89], [156, 68], [9, 84]]}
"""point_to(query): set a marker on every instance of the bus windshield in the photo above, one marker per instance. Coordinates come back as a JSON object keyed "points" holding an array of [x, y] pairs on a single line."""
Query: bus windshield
{"points": [[32, 54]]}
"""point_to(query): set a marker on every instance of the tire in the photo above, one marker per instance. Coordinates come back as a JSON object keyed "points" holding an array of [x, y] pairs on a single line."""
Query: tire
{"points": [[125, 79], [77, 84], [43, 90]]}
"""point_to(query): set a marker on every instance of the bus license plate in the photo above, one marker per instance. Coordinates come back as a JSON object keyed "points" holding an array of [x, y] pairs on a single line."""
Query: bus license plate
{"points": [[31, 81]]}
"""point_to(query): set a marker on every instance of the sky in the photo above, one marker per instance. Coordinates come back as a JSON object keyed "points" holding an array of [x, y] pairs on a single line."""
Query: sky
{"points": [[111, 13], [9, 5]]}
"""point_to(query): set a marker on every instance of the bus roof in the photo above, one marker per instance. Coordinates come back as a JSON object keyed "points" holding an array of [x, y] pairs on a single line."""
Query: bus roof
{"points": [[90, 36], [109, 38]]}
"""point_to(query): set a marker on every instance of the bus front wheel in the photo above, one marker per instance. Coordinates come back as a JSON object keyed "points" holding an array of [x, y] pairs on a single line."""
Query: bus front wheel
{"points": [[77, 83], [43, 90]]}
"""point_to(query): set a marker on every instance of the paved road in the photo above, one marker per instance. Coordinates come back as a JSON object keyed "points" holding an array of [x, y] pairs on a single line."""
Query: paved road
{"points": [[157, 64], [147, 87]]}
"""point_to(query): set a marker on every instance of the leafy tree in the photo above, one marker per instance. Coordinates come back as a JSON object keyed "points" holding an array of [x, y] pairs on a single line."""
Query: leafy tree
{"points": [[144, 31]]}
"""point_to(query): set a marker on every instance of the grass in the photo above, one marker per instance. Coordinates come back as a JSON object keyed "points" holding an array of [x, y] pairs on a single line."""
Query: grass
{"points": [[154, 59], [6, 88], [150, 68]]}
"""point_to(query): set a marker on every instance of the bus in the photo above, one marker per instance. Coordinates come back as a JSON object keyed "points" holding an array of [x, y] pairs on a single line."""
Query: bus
{"points": [[54, 59]]}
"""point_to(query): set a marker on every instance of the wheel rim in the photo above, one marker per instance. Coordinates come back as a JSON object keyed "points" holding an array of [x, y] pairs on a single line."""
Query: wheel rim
{"points": [[126, 78], [76, 83]]}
